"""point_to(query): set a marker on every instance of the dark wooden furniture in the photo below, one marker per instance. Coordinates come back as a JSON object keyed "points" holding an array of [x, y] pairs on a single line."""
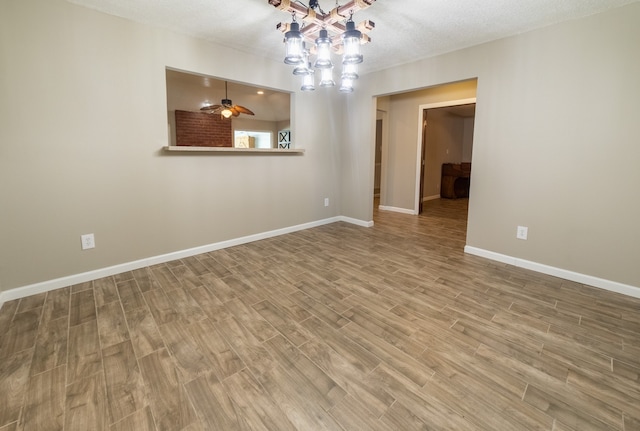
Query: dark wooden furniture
{"points": [[455, 180]]}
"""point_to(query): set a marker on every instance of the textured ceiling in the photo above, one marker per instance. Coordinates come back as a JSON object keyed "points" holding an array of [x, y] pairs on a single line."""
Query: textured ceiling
{"points": [[406, 30]]}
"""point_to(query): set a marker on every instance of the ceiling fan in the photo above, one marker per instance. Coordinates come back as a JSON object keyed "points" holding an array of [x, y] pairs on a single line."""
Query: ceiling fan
{"points": [[226, 107]]}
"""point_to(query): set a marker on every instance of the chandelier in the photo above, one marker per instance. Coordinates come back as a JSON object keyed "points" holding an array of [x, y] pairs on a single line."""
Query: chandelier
{"points": [[319, 35]]}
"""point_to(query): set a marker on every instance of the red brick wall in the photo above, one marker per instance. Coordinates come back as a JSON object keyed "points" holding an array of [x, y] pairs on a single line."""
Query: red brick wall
{"points": [[198, 129]]}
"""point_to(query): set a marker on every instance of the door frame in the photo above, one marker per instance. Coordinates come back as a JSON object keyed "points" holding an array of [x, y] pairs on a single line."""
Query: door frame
{"points": [[382, 115], [421, 126]]}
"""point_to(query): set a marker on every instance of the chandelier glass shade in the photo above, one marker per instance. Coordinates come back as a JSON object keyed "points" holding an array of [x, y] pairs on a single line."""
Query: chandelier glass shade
{"points": [[351, 44], [346, 85], [304, 68], [326, 77], [294, 45], [350, 71], [309, 80], [323, 51], [327, 34]]}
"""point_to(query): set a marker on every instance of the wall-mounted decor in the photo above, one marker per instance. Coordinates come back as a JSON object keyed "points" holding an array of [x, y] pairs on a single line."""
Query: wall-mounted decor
{"points": [[284, 139]]}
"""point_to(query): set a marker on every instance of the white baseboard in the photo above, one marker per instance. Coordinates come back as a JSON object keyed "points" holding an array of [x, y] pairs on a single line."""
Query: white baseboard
{"points": [[45, 286], [430, 198], [406, 210], [601, 283], [397, 210], [357, 222]]}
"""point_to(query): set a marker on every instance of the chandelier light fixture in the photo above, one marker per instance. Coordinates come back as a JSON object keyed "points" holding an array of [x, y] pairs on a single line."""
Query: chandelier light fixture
{"points": [[320, 35]]}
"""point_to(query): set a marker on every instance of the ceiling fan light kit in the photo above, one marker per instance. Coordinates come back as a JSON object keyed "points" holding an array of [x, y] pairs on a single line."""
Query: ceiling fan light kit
{"points": [[316, 29]]}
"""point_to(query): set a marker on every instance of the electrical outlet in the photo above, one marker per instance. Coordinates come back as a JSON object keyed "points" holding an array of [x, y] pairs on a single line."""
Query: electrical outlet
{"points": [[522, 232], [326, 202], [88, 241]]}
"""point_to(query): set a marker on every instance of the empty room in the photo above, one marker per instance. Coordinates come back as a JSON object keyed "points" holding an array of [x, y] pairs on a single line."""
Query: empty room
{"points": [[319, 215]]}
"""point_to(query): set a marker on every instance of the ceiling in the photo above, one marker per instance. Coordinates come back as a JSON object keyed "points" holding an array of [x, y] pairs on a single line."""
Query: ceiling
{"points": [[405, 30]]}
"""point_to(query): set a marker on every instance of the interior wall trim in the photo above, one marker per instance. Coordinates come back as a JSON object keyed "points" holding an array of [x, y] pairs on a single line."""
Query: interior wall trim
{"points": [[431, 198], [398, 210], [601, 283], [357, 222], [45, 286]]}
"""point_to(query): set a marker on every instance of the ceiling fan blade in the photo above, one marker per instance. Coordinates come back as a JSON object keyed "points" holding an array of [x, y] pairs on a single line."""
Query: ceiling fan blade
{"points": [[243, 110], [226, 103], [217, 110], [210, 107]]}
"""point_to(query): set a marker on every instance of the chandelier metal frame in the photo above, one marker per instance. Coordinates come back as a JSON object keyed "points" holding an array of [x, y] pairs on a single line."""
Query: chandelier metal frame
{"points": [[335, 30]]}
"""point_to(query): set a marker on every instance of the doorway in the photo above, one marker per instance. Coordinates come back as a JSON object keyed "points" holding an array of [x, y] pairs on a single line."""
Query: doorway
{"points": [[380, 157], [445, 138], [402, 127]]}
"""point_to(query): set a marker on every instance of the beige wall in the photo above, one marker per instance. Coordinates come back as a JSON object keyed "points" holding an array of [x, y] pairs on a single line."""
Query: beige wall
{"points": [[555, 145], [84, 118]]}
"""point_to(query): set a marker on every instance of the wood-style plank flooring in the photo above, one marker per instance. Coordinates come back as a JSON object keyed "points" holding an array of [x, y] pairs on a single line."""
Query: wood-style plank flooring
{"points": [[333, 328]]}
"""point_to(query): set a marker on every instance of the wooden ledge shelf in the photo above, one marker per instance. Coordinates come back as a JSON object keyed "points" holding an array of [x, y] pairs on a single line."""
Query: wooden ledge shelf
{"points": [[231, 150]]}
